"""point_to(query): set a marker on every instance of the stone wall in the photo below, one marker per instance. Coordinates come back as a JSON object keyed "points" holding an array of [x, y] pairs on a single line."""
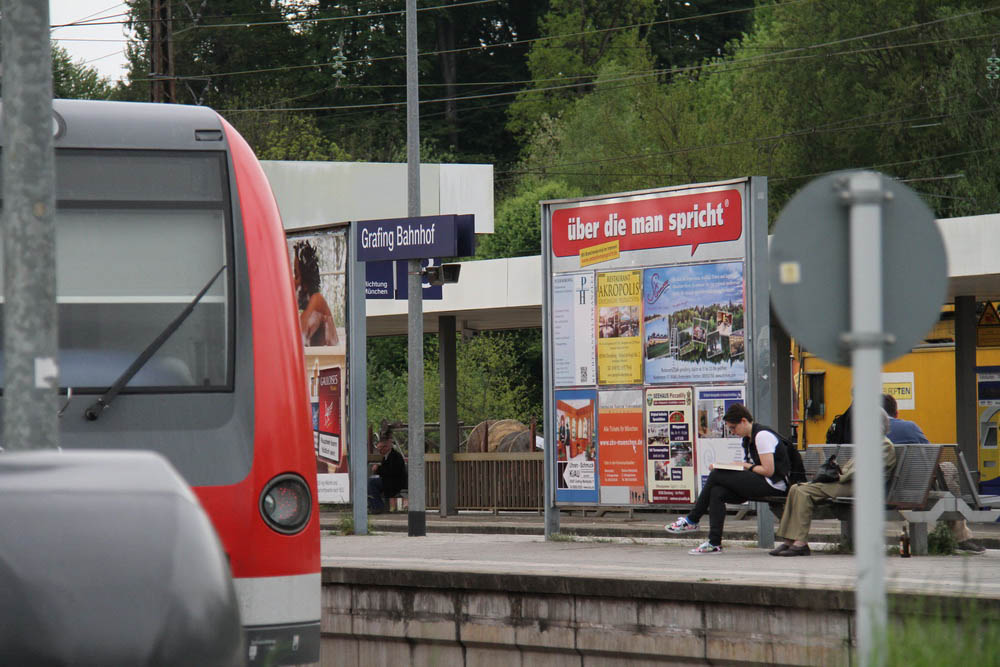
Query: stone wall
{"points": [[380, 617]]}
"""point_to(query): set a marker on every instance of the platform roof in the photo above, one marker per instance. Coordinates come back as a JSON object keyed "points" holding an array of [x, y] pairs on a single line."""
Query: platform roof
{"points": [[507, 293]]}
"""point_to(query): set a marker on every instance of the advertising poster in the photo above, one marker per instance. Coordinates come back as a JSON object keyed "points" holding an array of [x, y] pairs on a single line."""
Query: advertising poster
{"points": [[693, 321], [329, 431], [576, 441], [988, 392], [715, 444], [670, 445], [619, 356], [901, 387], [622, 450], [573, 335], [319, 262]]}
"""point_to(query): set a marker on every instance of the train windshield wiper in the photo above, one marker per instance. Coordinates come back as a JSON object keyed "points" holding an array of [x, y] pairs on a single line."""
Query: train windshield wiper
{"points": [[104, 402]]}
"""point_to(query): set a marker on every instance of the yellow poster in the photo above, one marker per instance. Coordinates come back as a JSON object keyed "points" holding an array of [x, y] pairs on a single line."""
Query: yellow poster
{"points": [[619, 349]]}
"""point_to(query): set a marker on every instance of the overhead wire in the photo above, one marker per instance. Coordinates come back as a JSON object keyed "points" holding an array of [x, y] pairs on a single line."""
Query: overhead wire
{"points": [[725, 66]]}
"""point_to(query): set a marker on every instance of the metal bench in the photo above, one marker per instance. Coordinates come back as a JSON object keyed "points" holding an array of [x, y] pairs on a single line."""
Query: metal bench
{"points": [[908, 489]]}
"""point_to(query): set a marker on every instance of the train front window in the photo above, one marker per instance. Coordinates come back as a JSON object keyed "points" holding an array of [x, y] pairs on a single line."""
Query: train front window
{"points": [[138, 235]]}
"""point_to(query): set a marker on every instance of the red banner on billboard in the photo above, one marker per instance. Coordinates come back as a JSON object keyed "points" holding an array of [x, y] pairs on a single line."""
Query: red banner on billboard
{"points": [[657, 222]]}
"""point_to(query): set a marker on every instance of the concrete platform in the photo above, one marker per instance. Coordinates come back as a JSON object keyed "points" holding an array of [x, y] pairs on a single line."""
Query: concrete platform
{"points": [[611, 525], [506, 598]]}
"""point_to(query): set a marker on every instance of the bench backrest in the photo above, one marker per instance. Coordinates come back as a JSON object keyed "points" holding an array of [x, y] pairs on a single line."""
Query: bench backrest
{"points": [[915, 472], [909, 484]]}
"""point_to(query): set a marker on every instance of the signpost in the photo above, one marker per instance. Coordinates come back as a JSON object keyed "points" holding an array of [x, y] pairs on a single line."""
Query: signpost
{"points": [[862, 231], [408, 241]]}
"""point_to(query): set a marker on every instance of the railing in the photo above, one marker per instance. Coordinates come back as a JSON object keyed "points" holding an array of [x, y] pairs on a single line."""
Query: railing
{"points": [[490, 480]]}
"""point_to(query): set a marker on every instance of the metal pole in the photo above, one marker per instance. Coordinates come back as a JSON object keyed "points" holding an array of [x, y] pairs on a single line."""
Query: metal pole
{"points": [[448, 478], [416, 518], [30, 315], [550, 481], [865, 195], [758, 309], [357, 339]]}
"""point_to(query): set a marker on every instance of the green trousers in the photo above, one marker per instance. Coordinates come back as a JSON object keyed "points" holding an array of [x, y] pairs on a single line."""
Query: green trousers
{"points": [[799, 504]]}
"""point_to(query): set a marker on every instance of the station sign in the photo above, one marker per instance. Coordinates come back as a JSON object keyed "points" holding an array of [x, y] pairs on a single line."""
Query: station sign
{"points": [[423, 237]]}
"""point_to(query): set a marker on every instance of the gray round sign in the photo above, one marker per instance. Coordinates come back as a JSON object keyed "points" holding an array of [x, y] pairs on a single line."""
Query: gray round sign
{"points": [[810, 268]]}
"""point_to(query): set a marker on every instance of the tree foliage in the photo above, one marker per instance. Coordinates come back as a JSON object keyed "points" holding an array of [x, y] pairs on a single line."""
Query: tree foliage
{"points": [[75, 80], [810, 89], [492, 384]]}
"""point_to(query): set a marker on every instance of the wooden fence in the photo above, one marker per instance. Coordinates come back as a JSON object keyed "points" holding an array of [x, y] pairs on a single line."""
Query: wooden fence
{"points": [[490, 480]]}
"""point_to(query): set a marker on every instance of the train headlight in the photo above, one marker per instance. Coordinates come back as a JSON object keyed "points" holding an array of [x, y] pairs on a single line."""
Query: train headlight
{"points": [[286, 504]]}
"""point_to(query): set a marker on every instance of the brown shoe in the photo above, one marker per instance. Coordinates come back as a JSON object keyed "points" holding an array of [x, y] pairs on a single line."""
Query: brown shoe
{"points": [[778, 549], [796, 551]]}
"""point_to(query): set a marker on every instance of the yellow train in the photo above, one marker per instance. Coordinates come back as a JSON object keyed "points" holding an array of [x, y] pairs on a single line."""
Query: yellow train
{"points": [[923, 383]]}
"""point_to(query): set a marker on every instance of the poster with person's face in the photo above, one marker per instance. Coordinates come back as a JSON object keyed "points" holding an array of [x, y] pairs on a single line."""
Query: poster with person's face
{"points": [[319, 261], [576, 446], [693, 317], [670, 445], [715, 443]]}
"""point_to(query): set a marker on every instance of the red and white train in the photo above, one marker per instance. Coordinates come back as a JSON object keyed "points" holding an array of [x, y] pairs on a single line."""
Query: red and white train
{"points": [[156, 204]]}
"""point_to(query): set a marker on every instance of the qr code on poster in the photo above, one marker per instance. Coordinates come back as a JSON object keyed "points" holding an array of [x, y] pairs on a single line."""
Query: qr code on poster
{"points": [[583, 375]]}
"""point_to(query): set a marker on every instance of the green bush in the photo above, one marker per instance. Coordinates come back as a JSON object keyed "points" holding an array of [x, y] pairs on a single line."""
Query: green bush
{"points": [[940, 541]]}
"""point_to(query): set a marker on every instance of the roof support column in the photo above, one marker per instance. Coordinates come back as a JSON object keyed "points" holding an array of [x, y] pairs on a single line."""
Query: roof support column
{"points": [[448, 490], [966, 427]]}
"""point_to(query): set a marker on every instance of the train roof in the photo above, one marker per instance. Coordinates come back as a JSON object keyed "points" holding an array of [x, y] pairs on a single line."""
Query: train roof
{"points": [[134, 125]]}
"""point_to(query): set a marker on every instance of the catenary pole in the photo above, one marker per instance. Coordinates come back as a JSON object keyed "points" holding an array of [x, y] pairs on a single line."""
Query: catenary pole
{"points": [[30, 317], [416, 518], [865, 195]]}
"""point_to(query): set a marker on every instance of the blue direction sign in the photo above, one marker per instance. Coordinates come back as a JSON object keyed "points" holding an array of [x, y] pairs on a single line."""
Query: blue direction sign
{"points": [[416, 238], [379, 280]]}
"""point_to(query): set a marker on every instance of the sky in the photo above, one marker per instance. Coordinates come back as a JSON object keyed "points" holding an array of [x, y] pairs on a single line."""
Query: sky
{"points": [[99, 46]]}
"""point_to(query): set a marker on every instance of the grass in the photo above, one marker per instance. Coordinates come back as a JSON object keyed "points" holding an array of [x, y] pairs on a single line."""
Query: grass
{"points": [[346, 526], [561, 537], [927, 637]]}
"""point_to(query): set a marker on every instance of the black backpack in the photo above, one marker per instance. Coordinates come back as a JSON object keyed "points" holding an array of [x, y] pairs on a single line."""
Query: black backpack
{"points": [[840, 429], [788, 465]]}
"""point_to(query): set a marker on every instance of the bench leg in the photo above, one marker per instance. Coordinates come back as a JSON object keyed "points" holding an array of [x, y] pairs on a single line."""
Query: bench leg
{"points": [[918, 538]]}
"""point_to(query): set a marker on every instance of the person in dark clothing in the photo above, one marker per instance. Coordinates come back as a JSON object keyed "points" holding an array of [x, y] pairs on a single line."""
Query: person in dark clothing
{"points": [[389, 478], [762, 473], [839, 432]]}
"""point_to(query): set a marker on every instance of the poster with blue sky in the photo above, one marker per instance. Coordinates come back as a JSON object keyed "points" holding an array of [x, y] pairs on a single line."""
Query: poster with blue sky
{"points": [[693, 323]]}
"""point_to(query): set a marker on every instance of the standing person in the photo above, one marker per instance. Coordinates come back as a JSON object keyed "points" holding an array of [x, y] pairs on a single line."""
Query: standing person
{"points": [[802, 499], [904, 432], [563, 436], [762, 473], [389, 478]]}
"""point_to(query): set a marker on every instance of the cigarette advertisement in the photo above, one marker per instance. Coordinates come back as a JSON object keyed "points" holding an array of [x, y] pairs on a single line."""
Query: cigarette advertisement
{"points": [[622, 451], [715, 444], [670, 445], [693, 321], [329, 442], [576, 458], [619, 356], [573, 335]]}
